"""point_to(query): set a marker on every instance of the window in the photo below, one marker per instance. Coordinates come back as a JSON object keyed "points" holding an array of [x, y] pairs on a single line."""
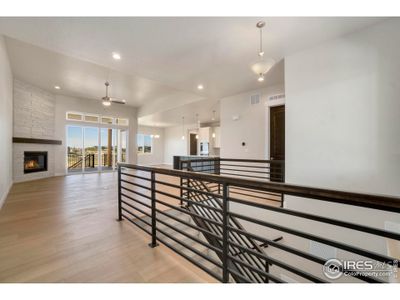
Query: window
{"points": [[144, 144], [107, 120], [122, 121], [93, 118], [74, 116]]}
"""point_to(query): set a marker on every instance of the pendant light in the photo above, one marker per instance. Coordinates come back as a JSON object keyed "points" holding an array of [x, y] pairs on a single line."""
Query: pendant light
{"points": [[262, 66], [213, 119], [156, 136], [213, 116], [260, 26], [183, 128], [198, 126]]}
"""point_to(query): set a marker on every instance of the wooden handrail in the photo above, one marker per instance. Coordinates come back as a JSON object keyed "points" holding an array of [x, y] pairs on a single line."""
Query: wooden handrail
{"points": [[233, 159], [381, 202], [253, 160]]}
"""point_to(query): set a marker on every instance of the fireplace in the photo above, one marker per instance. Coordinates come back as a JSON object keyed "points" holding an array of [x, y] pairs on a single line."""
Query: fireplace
{"points": [[35, 162]]}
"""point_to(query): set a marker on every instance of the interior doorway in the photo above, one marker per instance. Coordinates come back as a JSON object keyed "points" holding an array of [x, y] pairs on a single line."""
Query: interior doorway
{"points": [[192, 144], [277, 140]]}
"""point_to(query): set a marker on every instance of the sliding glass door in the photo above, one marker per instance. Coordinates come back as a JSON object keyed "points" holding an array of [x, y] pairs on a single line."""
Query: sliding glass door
{"points": [[91, 143], [108, 148], [74, 149], [122, 144], [94, 149]]}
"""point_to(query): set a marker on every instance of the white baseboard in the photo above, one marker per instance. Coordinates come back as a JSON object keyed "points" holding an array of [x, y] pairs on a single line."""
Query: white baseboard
{"points": [[4, 196]]}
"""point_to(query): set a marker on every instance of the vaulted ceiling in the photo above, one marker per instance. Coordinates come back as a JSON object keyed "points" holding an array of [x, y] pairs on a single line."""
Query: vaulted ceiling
{"points": [[163, 59]]}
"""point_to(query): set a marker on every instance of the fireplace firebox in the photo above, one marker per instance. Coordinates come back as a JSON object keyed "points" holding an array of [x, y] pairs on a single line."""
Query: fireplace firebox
{"points": [[35, 161]]}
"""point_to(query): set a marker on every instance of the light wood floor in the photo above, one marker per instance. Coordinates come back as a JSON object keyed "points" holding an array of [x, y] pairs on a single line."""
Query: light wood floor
{"points": [[63, 229]]}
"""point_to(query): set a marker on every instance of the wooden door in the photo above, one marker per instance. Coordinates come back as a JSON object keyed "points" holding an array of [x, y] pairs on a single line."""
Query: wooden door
{"points": [[277, 141], [193, 144]]}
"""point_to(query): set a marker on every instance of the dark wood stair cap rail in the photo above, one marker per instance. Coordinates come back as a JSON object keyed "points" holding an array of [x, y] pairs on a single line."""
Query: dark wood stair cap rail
{"points": [[382, 202], [36, 141]]}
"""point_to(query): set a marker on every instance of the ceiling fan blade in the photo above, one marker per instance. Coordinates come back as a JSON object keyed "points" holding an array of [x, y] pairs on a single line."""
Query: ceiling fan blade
{"points": [[112, 99], [118, 101]]}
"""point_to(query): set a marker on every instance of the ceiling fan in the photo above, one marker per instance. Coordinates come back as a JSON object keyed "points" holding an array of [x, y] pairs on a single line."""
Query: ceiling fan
{"points": [[108, 100]]}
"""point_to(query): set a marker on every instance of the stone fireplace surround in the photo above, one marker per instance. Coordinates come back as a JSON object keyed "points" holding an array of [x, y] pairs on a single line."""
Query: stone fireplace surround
{"points": [[34, 117]]}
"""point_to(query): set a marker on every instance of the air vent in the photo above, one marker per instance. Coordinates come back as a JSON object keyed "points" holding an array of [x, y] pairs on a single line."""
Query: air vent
{"points": [[255, 99], [276, 97]]}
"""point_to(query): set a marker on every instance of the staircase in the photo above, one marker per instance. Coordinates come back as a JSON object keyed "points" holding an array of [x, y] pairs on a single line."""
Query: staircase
{"points": [[168, 227], [210, 208]]}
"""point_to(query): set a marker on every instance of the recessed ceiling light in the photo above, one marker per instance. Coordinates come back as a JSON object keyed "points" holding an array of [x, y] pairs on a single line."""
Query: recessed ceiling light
{"points": [[200, 87], [57, 87], [116, 56]]}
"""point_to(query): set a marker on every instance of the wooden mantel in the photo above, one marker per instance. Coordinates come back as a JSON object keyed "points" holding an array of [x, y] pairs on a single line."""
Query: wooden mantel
{"points": [[36, 141]]}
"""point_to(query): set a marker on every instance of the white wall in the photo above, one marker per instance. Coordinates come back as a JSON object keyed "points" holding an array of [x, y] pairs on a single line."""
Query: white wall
{"points": [[64, 104], [251, 127], [157, 155], [343, 112], [173, 143], [342, 131], [6, 122]]}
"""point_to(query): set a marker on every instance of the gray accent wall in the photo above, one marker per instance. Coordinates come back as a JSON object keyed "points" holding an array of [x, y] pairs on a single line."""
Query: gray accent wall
{"points": [[34, 117]]}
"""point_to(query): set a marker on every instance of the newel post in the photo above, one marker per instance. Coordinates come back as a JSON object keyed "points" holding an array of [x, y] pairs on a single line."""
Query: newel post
{"points": [[225, 236], [153, 212], [119, 195]]}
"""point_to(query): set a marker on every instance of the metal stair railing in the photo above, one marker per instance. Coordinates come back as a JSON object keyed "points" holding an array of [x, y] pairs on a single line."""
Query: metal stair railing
{"points": [[234, 236], [201, 219], [89, 161]]}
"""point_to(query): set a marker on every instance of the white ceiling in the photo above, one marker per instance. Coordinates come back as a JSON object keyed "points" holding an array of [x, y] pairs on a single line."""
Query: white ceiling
{"points": [[163, 59], [204, 109], [45, 69]]}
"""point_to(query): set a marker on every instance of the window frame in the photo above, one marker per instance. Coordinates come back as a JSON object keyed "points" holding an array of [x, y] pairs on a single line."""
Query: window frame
{"points": [[107, 117], [93, 116], [75, 113], [143, 145], [114, 119]]}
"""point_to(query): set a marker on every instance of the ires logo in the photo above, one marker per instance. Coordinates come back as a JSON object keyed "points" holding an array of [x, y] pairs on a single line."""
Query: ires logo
{"points": [[334, 268], [360, 265]]}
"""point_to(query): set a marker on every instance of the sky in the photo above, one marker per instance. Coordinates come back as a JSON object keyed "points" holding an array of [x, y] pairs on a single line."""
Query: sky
{"points": [[74, 137]]}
